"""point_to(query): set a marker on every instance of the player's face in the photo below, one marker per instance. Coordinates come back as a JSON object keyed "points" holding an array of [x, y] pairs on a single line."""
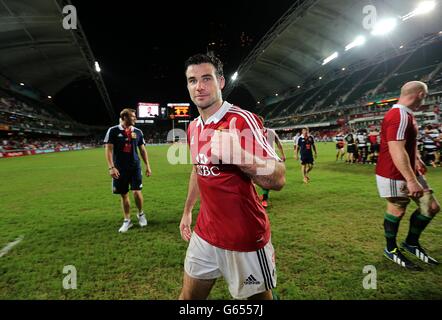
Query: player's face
{"points": [[204, 85], [418, 98], [130, 119]]}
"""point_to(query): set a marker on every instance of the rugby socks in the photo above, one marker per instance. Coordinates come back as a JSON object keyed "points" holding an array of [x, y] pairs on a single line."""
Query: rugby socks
{"points": [[418, 223], [391, 227]]}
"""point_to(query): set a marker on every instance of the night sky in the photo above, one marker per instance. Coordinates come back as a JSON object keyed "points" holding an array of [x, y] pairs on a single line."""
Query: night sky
{"points": [[142, 45]]}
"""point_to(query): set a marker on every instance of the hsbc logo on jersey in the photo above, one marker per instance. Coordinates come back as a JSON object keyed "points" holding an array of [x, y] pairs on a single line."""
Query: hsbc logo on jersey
{"points": [[202, 159], [207, 171], [203, 169]]}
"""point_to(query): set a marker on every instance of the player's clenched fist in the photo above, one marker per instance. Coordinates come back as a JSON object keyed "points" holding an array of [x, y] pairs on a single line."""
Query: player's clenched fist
{"points": [[225, 145]]}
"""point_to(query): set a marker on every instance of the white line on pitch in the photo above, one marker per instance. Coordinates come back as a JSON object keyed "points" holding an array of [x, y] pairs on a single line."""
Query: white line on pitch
{"points": [[10, 245]]}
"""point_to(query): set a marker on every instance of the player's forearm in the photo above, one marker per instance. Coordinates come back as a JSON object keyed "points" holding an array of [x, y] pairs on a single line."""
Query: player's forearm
{"points": [[109, 158], [268, 174], [402, 162], [418, 155], [281, 149], [145, 157], [192, 194]]}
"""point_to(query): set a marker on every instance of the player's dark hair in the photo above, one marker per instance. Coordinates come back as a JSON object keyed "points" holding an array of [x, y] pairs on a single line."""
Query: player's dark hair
{"points": [[205, 58], [125, 113]]}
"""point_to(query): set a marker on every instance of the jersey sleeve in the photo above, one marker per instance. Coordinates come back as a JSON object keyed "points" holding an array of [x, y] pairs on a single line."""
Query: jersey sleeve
{"points": [[396, 125], [252, 136], [141, 140], [275, 136], [109, 138], [191, 132]]}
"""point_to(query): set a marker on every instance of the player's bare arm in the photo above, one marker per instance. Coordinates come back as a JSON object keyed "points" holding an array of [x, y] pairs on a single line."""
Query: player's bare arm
{"points": [[420, 165], [192, 197], [113, 172], [267, 173], [281, 149], [402, 162], [145, 157], [272, 181]]}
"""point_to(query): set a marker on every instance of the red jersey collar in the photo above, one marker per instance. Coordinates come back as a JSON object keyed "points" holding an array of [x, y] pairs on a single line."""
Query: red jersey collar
{"points": [[217, 116]]}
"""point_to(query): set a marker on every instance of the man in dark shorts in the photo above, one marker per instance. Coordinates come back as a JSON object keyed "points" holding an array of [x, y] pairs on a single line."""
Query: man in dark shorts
{"points": [[306, 146], [124, 165], [373, 138], [350, 140]]}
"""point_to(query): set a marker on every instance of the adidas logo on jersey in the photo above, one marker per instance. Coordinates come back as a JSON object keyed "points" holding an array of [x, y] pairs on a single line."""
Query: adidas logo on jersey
{"points": [[120, 136], [251, 280]]}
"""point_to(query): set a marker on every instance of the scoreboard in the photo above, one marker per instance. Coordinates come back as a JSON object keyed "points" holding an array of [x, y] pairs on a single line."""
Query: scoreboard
{"points": [[148, 110], [179, 110]]}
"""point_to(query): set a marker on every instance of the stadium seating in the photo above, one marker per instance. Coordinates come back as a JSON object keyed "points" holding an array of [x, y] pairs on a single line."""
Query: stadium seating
{"points": [[384, 78]]}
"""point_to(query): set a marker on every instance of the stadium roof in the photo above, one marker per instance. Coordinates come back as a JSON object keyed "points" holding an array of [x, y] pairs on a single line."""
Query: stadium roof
{"points": [[294, 50], [37, 51]]}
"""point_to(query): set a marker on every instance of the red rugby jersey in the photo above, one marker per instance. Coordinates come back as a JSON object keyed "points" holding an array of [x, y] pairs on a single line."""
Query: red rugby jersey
{"points": [[398, 124], [231, 216]]}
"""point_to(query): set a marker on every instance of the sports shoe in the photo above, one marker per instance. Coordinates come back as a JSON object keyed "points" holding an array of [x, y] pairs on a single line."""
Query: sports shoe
{"points": [[264, 203], [126, 226], [142, 219], [419, 252], [397, 257]]}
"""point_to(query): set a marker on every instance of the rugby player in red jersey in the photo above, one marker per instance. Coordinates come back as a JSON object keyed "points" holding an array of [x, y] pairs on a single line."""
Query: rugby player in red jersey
{"points": [[231, 237], [400, 177]]}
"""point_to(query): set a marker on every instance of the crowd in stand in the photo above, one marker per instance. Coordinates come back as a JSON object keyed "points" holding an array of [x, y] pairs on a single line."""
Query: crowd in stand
{"points": [[153, 136], [36, 117], [13, 105], [28, 142], [430, 145]]}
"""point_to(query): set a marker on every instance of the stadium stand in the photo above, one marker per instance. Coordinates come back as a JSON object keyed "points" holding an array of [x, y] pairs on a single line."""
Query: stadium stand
{"points": [[351, 99]]}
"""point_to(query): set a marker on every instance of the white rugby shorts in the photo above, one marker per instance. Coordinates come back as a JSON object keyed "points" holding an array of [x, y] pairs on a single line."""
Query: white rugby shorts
{"points": [[246, 273], [390, 188]]}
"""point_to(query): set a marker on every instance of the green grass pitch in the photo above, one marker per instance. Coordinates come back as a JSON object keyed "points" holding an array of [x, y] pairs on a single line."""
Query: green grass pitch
{"points": [[324, 233]]}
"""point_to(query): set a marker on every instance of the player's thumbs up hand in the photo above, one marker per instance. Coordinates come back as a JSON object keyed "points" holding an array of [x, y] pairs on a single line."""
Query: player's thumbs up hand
{"points": [[232, 127], [225, 145]]}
